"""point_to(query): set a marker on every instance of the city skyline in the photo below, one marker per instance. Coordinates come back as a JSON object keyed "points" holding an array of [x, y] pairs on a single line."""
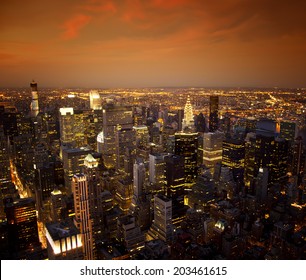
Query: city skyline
{"points": [[152, 174], [177, 43]]}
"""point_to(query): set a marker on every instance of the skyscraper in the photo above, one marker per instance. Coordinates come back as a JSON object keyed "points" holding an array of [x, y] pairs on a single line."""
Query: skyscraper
{"points": [[5, 172], [95, 189], [34, 103], [186, 145], [114, 117], [95, 100], [175, 175], [265, 151], [142, 135], [124, 138], [139, 178], [233, 153], [157, 171], [73, 162], [56, 205], [212, 149], [188, 120], [162, 227], [82, 218], [66, 121], [44, 185], [288, 130], [213, 113], [22, 225], [140, 205]]}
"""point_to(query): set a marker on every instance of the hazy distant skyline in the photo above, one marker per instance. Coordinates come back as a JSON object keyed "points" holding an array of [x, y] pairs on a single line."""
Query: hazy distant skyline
{"points": [[153, 43]]}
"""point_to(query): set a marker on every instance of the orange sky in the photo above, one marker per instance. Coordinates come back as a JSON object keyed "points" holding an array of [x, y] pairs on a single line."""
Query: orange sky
{"points": [[138, 43]]}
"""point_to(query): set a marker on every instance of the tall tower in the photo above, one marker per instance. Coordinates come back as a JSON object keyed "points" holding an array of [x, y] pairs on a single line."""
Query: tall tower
{"points": [[186, 145], [82, 214], [91, 170], [139, 178], [213, 113], [66, 121], [188, 120], [114, 117], [95, 100], [34, 104], [124, 138]]}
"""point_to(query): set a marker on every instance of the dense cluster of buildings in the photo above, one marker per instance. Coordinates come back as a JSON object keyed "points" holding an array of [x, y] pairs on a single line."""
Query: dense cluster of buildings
{"points": [[98, 176]]}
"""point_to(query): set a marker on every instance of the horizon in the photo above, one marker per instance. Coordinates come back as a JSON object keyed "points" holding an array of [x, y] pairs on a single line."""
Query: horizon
{"points": [[159, 87]]}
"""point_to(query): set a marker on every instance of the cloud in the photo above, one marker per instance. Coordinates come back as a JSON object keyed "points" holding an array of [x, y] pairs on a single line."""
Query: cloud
{"points": [[169, 4], [73, 26], [98, 6]]}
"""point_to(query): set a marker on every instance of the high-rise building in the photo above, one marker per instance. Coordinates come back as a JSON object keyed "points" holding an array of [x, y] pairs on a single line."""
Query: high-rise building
{"points": [[22, 225], [142, 135], [124, 139], [9, 118], [265, 151], [186, 145], [34, 103], [124, 194], [139, 178], [140, 206], [298, 158], [130, 234], [180, 117], [95, 100], [114, 117], [212, 149], [188, 120], [200, 123], [261, 184], [44, 185], [288, 130], [233, 155], [95, 189], [213, 113], [157, 171], [66, 121], [82, 128], [5, 171], [82, 217], [175, 175], [162, 227], [73, 162], [56, 205]]}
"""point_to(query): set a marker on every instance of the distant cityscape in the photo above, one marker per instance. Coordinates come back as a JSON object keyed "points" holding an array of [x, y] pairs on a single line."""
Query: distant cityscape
{"points": [[152, 173]]}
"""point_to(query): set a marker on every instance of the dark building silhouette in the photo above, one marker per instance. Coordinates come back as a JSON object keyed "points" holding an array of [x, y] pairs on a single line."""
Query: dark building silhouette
{"points": [[22, 226], [213, 113], [186, 145]]}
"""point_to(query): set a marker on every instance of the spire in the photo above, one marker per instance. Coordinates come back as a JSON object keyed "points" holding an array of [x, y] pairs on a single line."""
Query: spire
{"points": [[188, 120]]}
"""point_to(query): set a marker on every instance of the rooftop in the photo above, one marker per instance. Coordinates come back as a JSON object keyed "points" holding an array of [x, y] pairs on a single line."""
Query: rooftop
{"points": [[62, 229]]}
